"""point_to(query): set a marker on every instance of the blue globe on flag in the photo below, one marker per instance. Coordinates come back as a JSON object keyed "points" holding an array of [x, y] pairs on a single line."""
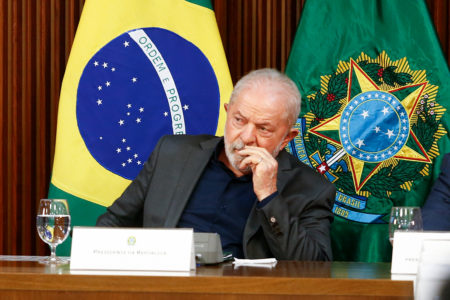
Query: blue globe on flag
{"points": [[137, 88]]}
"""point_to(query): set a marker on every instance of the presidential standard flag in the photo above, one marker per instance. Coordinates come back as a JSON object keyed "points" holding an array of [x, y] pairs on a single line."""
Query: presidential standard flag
{"points": [[138, 69], [375, 116]]}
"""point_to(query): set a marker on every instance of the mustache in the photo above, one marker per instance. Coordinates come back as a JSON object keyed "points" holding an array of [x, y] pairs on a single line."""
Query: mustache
{"points": [[238, 145]]}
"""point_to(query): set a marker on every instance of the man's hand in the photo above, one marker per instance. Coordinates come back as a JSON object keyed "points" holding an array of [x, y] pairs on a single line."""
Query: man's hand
{"points": [[264, 168]]}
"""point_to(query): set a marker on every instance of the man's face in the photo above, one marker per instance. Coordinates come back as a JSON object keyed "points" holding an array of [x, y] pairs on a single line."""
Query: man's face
{"points": [[255, 118]]}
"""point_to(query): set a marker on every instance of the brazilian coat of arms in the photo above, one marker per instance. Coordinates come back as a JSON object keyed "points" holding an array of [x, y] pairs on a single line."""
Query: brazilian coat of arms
{"points": [[372, 129]]}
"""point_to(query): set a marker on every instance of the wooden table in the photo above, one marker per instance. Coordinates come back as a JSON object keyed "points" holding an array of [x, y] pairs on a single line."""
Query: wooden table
{"points": [[287, 280]]}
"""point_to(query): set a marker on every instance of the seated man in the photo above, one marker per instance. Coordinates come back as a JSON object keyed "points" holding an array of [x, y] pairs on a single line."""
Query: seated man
{"points": [[260, 200]]}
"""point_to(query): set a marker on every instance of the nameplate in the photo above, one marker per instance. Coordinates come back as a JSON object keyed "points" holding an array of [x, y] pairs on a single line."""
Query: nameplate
{"points": [[132, 249], [408, 247]]}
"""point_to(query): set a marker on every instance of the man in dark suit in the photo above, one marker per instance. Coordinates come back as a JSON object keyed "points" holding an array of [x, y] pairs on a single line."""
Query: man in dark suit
{"points": [[261, 200], [436, 211]]}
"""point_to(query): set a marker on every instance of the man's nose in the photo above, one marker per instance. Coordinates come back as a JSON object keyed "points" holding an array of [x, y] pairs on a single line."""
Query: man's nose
{"points": [[248, 135]]}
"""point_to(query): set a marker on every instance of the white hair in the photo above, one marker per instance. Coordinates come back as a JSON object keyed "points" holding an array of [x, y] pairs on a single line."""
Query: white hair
{"points": [[278, 84]]}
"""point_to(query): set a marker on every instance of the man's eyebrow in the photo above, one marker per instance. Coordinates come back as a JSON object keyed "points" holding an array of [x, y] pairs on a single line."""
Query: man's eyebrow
{"points": [[239, 113]]}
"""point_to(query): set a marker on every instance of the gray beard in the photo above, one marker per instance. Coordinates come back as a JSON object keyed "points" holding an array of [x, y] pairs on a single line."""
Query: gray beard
{"points": [[234, 158]]}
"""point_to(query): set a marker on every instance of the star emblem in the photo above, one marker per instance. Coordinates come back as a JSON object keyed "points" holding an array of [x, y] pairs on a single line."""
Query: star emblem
{"points": [[409, 95]]}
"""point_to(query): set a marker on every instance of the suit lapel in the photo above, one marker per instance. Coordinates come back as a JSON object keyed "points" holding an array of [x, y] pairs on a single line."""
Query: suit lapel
{"points": [[197, 157]]}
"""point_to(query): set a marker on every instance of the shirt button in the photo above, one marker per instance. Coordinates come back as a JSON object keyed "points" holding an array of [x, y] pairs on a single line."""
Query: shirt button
{"points": [[272, 220]]}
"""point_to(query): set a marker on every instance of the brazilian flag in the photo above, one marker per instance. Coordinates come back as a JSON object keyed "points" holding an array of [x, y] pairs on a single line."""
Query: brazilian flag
{"points": [[375, 116], [138, 69]]}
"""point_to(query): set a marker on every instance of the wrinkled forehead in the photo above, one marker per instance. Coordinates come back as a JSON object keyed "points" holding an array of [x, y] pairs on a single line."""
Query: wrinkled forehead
{"points": [[263, 97], [262, 105]]}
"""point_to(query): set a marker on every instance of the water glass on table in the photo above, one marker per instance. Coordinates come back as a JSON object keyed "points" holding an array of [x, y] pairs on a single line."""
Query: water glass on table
{"points": [[53, 225], [404, 218]]}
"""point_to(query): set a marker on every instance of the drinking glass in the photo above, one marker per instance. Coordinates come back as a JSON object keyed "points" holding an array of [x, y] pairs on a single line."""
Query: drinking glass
{"points": [[404, 218], [53, 225]]}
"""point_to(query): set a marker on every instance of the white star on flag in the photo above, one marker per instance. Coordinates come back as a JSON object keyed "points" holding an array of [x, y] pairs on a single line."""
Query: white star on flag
{"points": [[390, 133], [365, 114], [360, 143]]}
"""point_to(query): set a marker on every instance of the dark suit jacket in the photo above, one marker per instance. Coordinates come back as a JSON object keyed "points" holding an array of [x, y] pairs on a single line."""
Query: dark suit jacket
{"points": [[293, 226], [436, 211]]}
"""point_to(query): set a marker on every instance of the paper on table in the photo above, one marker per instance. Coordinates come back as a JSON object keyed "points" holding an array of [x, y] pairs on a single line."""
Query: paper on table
{"points": [[265, 262]]}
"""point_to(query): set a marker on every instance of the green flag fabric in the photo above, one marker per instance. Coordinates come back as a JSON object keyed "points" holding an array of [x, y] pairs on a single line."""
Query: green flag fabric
{"points": [[138, 69], [375, 112]]}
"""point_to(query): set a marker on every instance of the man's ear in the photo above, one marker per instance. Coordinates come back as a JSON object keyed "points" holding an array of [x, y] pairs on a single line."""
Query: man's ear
{"points": [[225, 105], [289, 137]]}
